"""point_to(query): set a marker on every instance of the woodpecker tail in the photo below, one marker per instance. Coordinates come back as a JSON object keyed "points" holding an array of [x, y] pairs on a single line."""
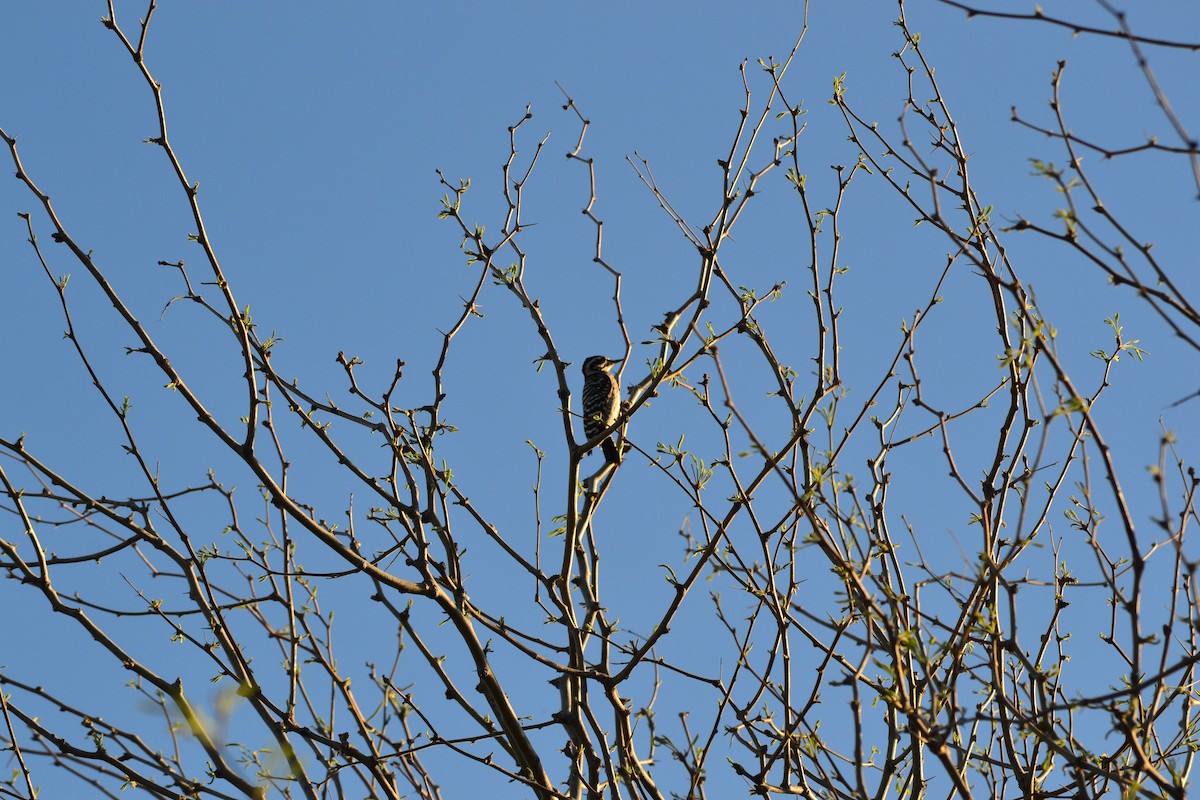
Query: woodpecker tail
{"points": [[611, 455]]}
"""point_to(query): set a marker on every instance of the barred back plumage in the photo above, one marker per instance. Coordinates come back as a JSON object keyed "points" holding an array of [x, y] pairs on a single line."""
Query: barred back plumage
{"points": [[601, 402]]}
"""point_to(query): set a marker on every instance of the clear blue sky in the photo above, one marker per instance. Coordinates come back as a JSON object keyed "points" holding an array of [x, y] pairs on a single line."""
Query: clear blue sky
{"points": [[315, 131]]}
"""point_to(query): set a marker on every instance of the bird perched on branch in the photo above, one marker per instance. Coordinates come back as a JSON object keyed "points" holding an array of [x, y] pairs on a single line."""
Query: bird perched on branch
{"points": [[601, 402]]}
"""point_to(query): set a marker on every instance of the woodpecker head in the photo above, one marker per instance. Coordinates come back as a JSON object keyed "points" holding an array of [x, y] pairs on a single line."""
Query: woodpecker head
{"points": [[593, 364]]}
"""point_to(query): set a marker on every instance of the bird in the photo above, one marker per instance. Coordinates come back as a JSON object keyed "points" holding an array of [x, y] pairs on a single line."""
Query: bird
{"points": [[601, 402]]}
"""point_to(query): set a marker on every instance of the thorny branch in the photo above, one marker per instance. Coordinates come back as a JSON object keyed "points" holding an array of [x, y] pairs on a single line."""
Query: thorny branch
{"points": [[848, 650]]}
